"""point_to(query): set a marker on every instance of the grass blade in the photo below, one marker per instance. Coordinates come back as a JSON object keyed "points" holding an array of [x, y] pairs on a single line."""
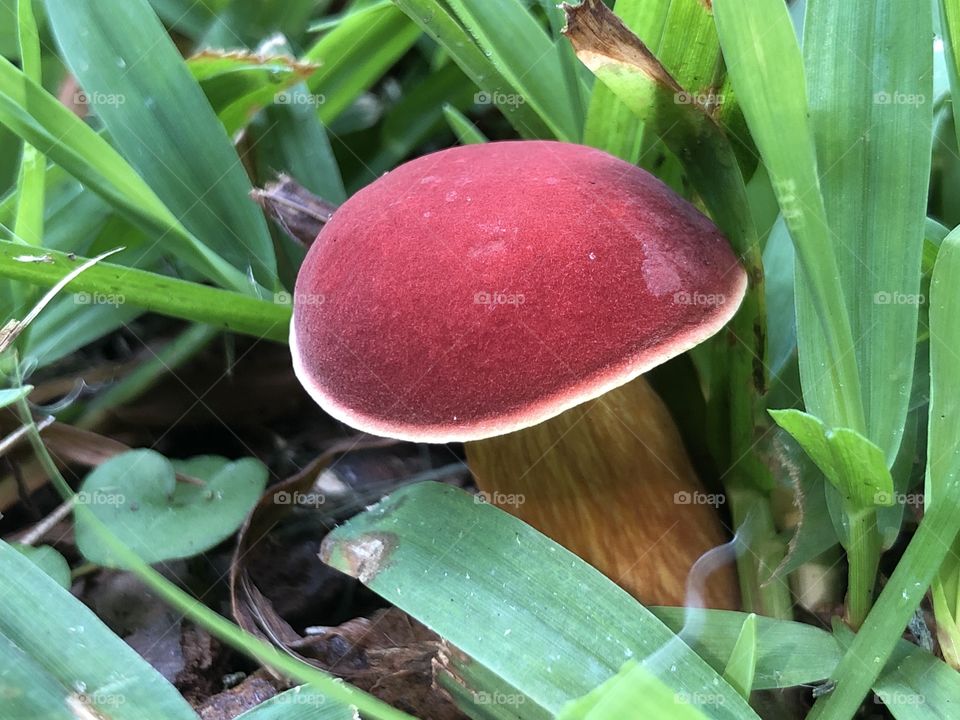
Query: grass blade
{"points": [[11, 395], [736, 415], [853, 464], [141, 89], [683, 37], [238, 84], [188, 16], [300, 703], [915, 685], [903, 592], [49, 560], [40, 119], [417, 117], [766, 68], [467, 133], [28, 223], [493, 586], [150, 291], [742, 666], [869, 78], [690, 50], [528, 59], [28, 226], [632, 692], [328, 22], [217, 625], [355, 54], [788, 653], [291, 139], [294, 141], [96, 671], [443, 26], [240, 24], [950, 23], [69, 323], [610, 124]]}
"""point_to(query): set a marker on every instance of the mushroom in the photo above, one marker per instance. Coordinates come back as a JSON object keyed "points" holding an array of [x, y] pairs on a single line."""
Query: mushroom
{"points": [[510, 295]]}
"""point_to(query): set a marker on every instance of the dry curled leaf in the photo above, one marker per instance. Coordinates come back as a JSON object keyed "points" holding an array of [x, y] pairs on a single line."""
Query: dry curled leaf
{"points": [[253, 612], [299, 212], [600, 38], [226, 705], [390, 655]]}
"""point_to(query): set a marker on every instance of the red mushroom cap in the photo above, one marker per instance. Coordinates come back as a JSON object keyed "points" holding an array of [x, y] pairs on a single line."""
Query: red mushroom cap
{"points": [[485, 288]]}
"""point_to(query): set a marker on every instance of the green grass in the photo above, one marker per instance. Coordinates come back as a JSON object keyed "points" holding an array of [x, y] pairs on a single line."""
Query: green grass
{"points": [[819, 136]]}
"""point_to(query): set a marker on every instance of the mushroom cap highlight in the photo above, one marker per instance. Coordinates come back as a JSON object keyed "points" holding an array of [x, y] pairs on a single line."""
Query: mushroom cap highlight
{"points": [[482, 289]]}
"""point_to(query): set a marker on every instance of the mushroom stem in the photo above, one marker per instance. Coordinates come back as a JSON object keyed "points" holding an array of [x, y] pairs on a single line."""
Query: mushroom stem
{"points": [[611, 481]]}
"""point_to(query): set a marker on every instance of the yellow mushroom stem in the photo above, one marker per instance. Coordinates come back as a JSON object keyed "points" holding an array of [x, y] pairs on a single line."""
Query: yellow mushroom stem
{"points": [[611, 481]]}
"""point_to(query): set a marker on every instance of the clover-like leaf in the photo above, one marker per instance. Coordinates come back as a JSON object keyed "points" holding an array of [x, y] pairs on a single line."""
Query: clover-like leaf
{"points": [[48, 560], [137, 496]]}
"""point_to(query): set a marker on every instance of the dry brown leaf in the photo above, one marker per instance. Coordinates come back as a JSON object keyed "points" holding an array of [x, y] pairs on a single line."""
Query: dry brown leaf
{"points": [[299, 212]]}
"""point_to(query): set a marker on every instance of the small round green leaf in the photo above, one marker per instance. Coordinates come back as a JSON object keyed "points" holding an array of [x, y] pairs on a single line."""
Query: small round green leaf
{"points": [[48, 560], [137, 496]]}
